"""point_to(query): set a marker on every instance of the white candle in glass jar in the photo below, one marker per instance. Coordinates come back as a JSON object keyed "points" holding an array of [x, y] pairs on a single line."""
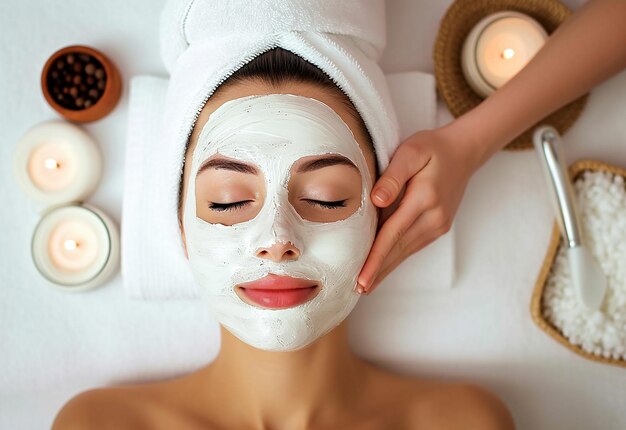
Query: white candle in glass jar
{"points": [[76, 247], [498, 47], [57, 162]]}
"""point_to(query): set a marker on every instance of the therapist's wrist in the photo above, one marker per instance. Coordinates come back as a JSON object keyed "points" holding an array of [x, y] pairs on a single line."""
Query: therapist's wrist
{"points": [[470, 136]]}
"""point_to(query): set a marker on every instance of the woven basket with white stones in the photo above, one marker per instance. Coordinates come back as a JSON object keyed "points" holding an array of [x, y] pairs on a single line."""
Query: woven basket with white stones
{"points": [[600, 335]]}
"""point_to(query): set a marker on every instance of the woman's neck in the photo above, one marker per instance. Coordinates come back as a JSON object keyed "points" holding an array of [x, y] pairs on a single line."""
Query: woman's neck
{"points": [[285, 390]]}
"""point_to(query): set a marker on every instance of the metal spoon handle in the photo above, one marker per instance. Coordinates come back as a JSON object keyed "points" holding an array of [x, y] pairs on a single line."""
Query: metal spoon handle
{"points": [[548, 144]]}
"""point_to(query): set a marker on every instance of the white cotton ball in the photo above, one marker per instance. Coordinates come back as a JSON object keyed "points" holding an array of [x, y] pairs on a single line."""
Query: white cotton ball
{"points": [[601, 198]]}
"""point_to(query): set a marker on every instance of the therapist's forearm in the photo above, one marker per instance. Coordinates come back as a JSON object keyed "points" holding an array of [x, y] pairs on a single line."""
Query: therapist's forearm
{"points": [[588, 48]]}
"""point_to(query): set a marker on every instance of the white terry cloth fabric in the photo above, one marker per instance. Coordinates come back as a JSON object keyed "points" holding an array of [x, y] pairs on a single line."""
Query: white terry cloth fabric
{"points": [[205, 41], [432, 268], [151, 270]]}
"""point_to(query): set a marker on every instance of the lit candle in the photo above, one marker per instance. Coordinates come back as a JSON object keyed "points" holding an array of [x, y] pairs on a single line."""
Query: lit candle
{"points": [[498, 47], [76, 247], [57, 162]]}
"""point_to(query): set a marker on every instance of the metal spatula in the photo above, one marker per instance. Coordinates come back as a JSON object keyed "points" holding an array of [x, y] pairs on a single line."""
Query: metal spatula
{"points": [[588, 280]]}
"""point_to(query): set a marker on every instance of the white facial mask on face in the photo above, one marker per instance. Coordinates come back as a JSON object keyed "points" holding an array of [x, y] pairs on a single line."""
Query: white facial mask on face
{"points": [[272, 132]]}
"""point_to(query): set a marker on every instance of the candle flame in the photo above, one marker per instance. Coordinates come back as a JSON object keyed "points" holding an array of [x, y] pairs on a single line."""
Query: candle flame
{"points": [[508, 53], [51, 164], [70, 244]]}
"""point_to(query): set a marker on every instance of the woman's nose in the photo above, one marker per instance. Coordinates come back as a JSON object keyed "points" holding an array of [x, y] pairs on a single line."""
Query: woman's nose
{"points": [[279, 251]]}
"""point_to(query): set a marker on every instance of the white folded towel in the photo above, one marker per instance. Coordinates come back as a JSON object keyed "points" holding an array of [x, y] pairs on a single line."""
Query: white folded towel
{"points": [[153, 270], [432, 268]]}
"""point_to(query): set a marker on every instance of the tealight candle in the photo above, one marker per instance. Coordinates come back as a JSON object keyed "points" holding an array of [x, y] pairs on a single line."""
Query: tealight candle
{"points": [[76, 247], [57, 162], [498, 47]]}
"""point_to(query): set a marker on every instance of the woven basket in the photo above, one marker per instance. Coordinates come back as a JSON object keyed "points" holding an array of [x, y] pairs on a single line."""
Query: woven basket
{"points": [[456, 24], [576, 170]]}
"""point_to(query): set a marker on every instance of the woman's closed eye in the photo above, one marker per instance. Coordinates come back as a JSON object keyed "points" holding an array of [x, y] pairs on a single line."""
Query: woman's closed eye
{"points": [[329, 205], [220, 207]]}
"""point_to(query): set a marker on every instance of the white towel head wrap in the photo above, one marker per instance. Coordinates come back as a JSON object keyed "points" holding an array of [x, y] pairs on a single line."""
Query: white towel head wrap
{"points": [[203, 42]]}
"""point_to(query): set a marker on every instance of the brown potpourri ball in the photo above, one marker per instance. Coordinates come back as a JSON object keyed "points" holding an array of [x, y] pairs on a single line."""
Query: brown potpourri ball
{"points": [[76, 81]]}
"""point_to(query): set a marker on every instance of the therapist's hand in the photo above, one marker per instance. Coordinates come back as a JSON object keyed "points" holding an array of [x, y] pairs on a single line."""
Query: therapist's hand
{"points": [[424, 184], [435, 165]]}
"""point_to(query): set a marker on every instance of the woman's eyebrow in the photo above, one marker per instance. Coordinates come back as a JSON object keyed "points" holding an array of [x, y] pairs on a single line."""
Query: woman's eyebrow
{"points": [[220, 163], [329, 160]]}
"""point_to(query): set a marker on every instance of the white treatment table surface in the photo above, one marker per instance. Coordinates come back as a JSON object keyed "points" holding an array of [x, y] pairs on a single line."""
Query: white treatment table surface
{"points": [[54, 345]]}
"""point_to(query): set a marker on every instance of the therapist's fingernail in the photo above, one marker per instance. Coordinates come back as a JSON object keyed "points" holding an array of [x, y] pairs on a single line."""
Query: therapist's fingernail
{"points": [[381, 194]]}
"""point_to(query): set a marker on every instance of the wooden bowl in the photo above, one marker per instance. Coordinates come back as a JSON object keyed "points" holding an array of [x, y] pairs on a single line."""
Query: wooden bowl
{"points": [[576, 170], [56, 78]]}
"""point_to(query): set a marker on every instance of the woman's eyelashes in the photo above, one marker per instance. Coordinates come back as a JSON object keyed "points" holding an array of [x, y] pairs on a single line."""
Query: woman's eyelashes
{"points": [[220, 207], [329, 205]]}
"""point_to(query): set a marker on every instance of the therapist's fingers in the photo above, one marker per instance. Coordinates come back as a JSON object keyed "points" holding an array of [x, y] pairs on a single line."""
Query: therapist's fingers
{"points": [[417, 198], [386, 212], [423, 236], [406, 162]]}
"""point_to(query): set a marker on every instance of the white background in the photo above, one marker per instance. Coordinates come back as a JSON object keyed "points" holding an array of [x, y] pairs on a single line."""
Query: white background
{"points": [[54, 345]]}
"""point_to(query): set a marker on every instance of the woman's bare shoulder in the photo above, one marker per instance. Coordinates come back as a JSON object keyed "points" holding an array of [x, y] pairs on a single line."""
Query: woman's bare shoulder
{"points": [[137, 407], [436, 404], [458, 405], [99, 408]]}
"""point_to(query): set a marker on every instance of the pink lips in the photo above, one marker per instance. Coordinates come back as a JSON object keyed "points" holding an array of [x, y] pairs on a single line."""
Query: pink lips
{"points": [[279, 292]]}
